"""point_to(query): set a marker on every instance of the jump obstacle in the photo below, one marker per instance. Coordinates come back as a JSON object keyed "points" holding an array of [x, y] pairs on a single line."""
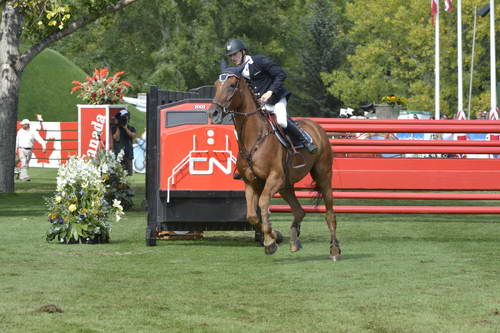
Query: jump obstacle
{"points": [[190, 164]]}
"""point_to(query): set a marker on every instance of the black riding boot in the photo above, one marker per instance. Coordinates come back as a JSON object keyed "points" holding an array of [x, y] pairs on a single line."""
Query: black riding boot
{"points": [[293, 130]]}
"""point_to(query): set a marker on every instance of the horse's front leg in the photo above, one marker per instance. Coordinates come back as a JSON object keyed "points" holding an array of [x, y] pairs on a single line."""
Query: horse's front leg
{"points": [[271, 237]]}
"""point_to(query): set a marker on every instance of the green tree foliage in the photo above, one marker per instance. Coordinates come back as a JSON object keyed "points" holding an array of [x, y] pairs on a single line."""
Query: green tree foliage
{"points": [[321, 47], [394, 54], [178, 44]]}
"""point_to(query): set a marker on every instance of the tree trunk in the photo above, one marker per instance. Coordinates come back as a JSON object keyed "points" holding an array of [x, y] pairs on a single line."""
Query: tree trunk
{"points": [[10, 80]]}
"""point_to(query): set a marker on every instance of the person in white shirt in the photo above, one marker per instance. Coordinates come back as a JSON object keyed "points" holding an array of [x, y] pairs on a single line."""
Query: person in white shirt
{"points": [[24, 145]]}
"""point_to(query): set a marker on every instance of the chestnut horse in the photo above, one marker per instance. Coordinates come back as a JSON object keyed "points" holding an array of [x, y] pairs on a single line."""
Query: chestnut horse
{"points": [[265, 164]]}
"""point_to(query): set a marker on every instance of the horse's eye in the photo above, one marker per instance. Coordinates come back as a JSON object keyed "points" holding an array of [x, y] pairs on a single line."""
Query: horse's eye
{"points": [[233, 85]]}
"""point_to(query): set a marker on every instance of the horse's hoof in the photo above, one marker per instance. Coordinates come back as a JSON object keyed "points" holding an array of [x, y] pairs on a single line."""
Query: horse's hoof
{"points": [[335, 253], [295, 246], [271, 248], [279, 237]]}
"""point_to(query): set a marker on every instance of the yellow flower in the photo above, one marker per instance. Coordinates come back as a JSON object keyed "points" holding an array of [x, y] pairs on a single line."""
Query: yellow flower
{"points": [[72, 207], [58, 199]]}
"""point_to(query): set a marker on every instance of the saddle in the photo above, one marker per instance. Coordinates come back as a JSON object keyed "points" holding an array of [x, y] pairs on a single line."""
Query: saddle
{"points": [[290, 142]]}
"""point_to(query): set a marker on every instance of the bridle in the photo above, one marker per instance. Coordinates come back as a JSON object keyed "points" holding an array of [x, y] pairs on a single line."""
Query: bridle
{"points": [[225, 108], [247, 155]]}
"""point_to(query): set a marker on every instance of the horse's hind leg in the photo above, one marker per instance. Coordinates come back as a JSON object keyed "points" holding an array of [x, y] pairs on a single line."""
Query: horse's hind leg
{"points": [[288, 194], [323, 178]]}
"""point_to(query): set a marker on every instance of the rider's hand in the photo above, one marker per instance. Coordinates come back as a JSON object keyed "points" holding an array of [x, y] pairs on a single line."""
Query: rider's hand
{"points": [[266, 96]]}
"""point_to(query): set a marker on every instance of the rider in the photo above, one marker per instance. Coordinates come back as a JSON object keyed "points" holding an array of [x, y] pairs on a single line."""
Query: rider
{"points": [[266, 79]]}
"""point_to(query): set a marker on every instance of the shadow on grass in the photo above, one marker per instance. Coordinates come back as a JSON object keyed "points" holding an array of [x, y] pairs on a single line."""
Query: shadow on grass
{"points": [[211, 243], [436, 239], [27, 204], [322, 258]]}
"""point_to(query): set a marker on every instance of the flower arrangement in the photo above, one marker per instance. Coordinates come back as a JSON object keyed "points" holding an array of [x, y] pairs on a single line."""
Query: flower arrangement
{"points": [[393, 100], [101, 89], [82, 205], [115, 178]]}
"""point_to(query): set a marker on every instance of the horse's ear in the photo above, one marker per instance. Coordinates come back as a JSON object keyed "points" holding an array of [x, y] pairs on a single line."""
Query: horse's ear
{"points": [[223, 65]]}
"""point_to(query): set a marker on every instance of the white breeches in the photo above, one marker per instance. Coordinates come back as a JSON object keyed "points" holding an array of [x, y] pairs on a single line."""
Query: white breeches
{"points": [[279, 109]]}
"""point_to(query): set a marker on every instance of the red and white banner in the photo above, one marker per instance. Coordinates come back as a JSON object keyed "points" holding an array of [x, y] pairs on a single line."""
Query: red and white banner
{"points": [[448, 5], [93, 128], [493, 115], [461, 115], [60, 138], [434, 10]]}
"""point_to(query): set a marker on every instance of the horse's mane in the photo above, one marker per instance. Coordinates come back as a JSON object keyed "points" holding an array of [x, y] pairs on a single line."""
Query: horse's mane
{"points": [[252, 93], [237, 72]]}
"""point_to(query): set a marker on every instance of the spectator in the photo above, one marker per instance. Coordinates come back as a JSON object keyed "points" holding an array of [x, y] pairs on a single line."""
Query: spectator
{"points": [[123, 136], [24, 147]]}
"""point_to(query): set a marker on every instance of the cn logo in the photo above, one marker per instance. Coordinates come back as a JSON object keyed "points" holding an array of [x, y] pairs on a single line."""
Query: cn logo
{"points": [[212, 162]]}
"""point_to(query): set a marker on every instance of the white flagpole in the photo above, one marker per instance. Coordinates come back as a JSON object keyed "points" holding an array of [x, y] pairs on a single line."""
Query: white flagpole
{"points": [[459, 57], [436, 66], [472, 61], [493, 56]]}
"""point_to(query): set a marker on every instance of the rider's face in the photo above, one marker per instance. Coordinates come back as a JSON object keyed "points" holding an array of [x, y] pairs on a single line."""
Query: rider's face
{"points": [[237, 57]]}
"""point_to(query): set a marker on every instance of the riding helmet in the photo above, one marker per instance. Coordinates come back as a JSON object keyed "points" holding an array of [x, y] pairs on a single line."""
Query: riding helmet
{"points": [[234, 45]]}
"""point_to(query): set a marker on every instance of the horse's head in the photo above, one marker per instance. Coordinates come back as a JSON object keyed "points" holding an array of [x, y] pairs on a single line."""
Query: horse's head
{"points": [[227, 92], [227, 96]]}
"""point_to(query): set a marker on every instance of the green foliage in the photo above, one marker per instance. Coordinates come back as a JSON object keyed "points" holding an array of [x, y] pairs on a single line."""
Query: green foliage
{"points": [[43, 17], [321, 47], [394, 55], [342, 52]]}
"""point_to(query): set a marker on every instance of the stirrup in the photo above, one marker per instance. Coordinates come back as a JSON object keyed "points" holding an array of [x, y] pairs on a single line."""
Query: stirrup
{"points": [[302, 160], [295, 153], [311, 147]]}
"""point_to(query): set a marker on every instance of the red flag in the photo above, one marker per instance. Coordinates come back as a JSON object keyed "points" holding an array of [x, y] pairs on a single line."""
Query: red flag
{"points": [[448, 5], [434, 10], [493, 115]]}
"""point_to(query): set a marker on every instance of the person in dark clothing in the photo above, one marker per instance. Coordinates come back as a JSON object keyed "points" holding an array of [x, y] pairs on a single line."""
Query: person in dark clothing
{"points": [[266, 79], [123, 136]]}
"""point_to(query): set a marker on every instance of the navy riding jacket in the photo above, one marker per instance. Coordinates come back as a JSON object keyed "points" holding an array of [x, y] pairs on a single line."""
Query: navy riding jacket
{"points": [[266, 75]]}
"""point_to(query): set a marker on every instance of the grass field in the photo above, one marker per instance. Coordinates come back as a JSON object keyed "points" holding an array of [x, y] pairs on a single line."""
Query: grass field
{"points": [[400, 273]]}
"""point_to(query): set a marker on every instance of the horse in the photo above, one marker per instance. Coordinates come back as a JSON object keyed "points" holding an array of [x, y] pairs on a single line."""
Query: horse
{"points": [[265, 164]]}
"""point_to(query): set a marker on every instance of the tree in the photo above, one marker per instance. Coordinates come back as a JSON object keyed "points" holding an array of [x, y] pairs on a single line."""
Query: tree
{"points": [[321, 48], [394, 55], [42, 23]]}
